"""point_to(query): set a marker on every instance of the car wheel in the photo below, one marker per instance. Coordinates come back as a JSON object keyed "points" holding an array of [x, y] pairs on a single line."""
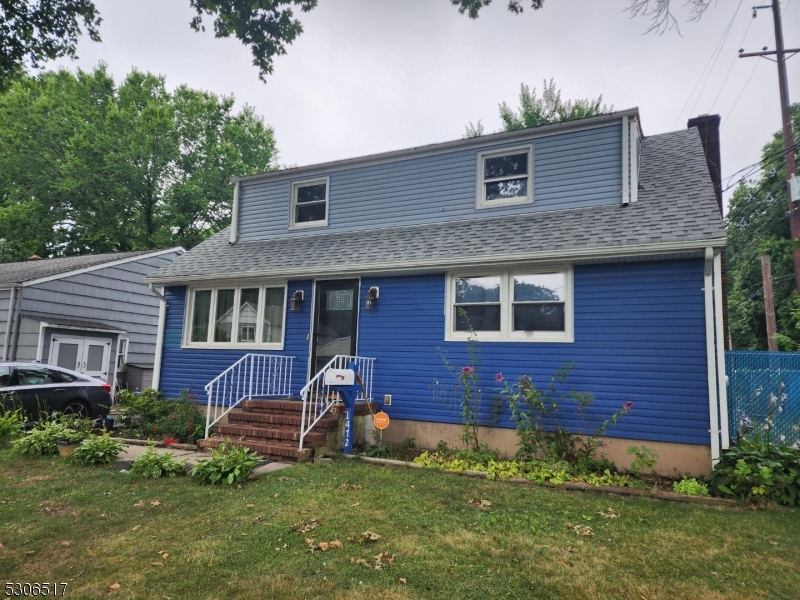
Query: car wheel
{"points": [[77, 408]]}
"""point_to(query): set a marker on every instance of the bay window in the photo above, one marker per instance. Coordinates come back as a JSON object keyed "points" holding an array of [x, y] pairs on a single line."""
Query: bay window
{"points": [[236, 316]]}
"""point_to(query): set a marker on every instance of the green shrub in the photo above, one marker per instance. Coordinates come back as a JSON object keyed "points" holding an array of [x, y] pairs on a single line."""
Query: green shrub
{"points": [[757, 471], [690, 487], [154, 464], [645, 459], [97, 450], [149, 415], [44, 435], [12, 424], [228, 464]]}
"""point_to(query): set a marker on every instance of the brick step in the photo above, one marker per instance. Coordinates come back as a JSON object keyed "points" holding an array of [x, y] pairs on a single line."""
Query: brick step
{"points": [[313, 438], [272, 450], [361, 409], [260, 419], [272, 406]]}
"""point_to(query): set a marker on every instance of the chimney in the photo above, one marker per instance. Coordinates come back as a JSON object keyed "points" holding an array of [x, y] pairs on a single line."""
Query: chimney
{"points": [[708, 128], [34, 257]]}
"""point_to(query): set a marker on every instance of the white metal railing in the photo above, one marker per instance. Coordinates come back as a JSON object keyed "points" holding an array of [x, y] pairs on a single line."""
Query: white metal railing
{"points": [[318, 397], [253, 375]]}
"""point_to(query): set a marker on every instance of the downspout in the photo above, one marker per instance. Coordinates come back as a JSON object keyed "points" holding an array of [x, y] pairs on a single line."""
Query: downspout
{"points": [[711, 366], [721, 373], [7, 337], [235, 215], [162, 316], [16, 324]]}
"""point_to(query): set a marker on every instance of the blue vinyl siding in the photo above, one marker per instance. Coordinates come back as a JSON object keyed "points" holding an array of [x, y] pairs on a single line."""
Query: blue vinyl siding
{"points": [[639, 336], [571, 170], [193, 368]]}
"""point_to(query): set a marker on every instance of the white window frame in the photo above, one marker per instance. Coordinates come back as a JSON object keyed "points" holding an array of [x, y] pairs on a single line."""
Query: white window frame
{"points": [[506, 333], [209, 343], [480, 198], [293, 204]]}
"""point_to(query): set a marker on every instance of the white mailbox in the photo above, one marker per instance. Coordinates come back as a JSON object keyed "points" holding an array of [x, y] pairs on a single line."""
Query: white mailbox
{"points": [[340, 377]]}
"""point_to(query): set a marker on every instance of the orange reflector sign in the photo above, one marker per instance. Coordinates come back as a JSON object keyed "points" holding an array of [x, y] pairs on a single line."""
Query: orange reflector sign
{"points": [[381, 420]]}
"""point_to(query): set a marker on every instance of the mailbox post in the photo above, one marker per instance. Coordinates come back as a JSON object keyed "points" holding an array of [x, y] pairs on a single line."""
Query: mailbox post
{"points": [[343, 381]]}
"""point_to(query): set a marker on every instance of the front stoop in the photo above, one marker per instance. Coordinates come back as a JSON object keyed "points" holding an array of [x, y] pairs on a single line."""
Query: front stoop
{"points": [[271, 428]]}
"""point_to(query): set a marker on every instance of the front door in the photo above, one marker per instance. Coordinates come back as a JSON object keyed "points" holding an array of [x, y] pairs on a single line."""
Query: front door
{"points": [[335, 321], [83, 355]]}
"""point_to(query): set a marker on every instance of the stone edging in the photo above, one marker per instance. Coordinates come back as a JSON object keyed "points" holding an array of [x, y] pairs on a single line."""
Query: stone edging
{"points": [[133, 442], [584, 487]]}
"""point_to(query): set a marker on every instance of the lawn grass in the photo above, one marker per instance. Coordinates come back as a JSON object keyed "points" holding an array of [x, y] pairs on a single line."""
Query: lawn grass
{"points": [[202, 542]]}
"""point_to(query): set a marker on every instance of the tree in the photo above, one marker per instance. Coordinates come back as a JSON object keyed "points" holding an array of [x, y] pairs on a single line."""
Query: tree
{"points": [[87, 166], [549, 108], [35, 31], [757, 224]]}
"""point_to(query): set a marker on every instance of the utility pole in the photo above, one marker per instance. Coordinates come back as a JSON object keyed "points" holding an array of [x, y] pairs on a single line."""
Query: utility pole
{"points": [[788, 136], [769, 302]]}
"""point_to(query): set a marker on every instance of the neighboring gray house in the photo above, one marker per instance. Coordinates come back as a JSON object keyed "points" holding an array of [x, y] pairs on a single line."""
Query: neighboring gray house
{"points": [[90, 313]]}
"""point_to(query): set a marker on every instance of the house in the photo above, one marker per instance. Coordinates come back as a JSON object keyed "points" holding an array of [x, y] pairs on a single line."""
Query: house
{"points": [[91, 313], [582, 242]]}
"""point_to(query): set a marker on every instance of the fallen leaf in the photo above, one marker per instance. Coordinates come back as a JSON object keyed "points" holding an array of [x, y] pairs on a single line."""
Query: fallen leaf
{"points": [[114, 585], [402, 581], [773, 543], [66, 543], [282, 478], [30, 551], [571, 549], [139, 503], [336, 544], [303, 526], [361, 561], [275, 495], [164, 555], [244, 533], [1, 546], [155, 503], [157, 564], [323, 546], [370, 536], [609, 514], [135, 528], [354, 505], [103, 515], [250, 505]]}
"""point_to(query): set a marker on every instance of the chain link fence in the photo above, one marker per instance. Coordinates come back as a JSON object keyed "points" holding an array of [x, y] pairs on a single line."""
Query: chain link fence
{"points": [[764, 395]]}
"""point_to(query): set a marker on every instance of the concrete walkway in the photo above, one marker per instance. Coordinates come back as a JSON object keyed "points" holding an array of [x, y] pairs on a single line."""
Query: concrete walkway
{"points": [[133, 451]]}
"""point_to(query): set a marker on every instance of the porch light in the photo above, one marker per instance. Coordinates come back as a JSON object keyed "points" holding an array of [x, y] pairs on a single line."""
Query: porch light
{"points": [[372, 298], [297, 300]]}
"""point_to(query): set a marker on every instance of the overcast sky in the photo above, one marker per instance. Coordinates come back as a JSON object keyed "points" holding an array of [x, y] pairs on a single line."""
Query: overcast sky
{"points": [[370, 76]]}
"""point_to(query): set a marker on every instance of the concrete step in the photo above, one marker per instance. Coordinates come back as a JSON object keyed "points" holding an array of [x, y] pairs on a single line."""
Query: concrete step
{"points": [[286, 433], [274, 450], [262, 419]]}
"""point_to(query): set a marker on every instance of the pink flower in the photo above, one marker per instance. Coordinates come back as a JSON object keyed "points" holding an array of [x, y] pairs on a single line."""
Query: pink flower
{"points": [[467, 370], [627, 406], [499, 378]]}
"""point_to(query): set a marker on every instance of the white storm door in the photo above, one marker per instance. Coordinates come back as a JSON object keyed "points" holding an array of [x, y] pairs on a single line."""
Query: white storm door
{"points": [[95, 358], [67, 352]]}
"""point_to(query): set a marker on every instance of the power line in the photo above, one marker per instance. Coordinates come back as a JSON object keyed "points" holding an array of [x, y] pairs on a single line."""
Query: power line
{"points": [[716, 51], [755, 167], [719, 52]]}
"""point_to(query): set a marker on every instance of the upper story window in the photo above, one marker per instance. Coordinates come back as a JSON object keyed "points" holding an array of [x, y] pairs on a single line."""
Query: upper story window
{"points": [[244, 316], [519, 305], [505, 177], [310, 203]]}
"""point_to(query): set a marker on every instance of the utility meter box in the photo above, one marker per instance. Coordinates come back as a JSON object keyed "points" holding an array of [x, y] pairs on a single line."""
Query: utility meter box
{"points": [[339, 377]]}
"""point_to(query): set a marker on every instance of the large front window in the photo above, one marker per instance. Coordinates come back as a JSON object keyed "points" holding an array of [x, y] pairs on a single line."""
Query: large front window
{"points": [[246, 316], [513, 305]]}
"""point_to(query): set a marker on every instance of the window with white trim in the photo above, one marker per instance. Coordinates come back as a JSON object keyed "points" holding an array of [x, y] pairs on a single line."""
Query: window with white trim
{"points": [[505, 177], [247, 316], [513, 305], [309, 203]]}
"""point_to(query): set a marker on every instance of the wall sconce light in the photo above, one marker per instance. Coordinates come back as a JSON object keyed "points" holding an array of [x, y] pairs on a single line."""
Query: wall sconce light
{"points": [[372, 298], [297, 300]]}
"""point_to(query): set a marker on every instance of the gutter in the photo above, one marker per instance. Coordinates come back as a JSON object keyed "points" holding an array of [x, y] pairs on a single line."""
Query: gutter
{"points": [[439, 265], [711, 366], [162, 317]]}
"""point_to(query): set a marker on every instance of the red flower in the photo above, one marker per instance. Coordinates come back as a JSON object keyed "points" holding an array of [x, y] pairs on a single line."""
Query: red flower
{"points": [[627, 406], [170, 440], [467, 370], [190, 396], [499, 378], [155, 428], [191, 425]]}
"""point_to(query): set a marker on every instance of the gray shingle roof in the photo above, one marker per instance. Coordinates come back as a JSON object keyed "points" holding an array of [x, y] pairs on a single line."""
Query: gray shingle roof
{"points": [[19, 272], [677, 204]]}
